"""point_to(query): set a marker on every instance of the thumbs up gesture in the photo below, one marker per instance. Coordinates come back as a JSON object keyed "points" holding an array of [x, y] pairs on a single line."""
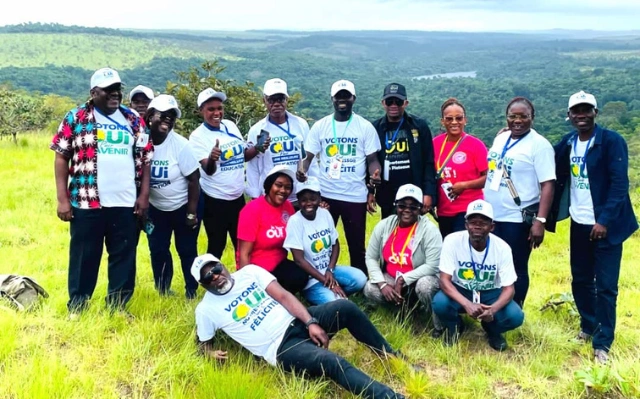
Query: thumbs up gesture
{"points": [[215, 152], [374, 179]]}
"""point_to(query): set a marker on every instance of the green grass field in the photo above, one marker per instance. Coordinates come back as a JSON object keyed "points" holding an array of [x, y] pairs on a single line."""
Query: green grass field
{"points": [[42, 355], [89, 51]]}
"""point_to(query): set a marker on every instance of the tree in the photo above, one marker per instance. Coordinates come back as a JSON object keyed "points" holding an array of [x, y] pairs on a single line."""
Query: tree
{"points": [[244, 105], [21, 112]]}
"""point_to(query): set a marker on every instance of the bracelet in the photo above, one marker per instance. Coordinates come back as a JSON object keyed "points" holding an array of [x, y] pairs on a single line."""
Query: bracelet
{"points": [[330, 270], [383, 285]]}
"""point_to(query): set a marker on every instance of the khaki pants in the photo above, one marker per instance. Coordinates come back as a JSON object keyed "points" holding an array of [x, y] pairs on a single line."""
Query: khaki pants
{"points": [[425, 288]]}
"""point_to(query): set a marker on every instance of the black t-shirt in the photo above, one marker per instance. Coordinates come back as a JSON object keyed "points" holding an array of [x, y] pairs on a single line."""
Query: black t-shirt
{"points": [[397, 155]]}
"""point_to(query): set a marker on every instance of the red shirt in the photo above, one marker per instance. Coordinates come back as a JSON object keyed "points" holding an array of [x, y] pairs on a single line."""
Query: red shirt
{"points": [[265, 226], [395, 258], [467, 163]]}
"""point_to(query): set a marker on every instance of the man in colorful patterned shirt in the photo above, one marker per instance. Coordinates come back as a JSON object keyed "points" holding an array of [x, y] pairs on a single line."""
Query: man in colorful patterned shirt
{"points": [[102, 163]]}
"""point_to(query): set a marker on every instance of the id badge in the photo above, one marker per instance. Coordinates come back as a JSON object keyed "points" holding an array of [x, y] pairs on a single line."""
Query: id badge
{"points": [[143, 140], [496, 180], [476, 296], [385, 170], [445, 187], [335, 167]]}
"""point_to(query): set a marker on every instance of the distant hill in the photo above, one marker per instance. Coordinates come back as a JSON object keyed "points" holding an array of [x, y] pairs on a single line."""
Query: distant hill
{"points": [[545, 66]]}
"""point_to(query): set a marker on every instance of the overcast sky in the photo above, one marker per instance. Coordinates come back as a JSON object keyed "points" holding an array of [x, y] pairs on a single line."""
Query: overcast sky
{"points": [[456, 15]]}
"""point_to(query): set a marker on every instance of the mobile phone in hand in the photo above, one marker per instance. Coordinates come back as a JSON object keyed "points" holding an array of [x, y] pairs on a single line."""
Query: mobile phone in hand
{"points": [[262, 138]]}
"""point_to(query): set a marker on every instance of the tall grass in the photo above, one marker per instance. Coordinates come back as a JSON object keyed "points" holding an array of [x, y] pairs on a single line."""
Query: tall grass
{"points": [[42, 355]]}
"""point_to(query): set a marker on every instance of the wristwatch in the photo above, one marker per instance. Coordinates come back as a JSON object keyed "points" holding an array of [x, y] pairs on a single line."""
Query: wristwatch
{"points": [[191, 216], [330, 270], [311, 321], [541, 220]]}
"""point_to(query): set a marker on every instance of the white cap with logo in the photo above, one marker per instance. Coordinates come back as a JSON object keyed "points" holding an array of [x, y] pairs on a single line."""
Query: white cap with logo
{"points": [[208, 93], [479, 207], [200, 262], [275, 86], [582, 98], [311, 184], [343, 85], [282, 169], [165, 102], [409, 191], [141, 89], [104, 77]]}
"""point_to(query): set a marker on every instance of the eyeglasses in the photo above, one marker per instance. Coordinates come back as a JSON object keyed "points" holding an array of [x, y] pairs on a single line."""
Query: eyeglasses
{"points": [[214, 271], [449, 119], [515, 117], [412, 208], [276, 99], [393, 101]]}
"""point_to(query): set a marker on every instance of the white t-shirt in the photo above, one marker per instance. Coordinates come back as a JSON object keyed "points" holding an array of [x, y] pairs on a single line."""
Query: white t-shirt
{"points": [[227, 183], [173, 160], [355, 142], [284, 150], [496, 271], [116, 166], [530, 161], [314, 237], [247, 314], [581, 203]]}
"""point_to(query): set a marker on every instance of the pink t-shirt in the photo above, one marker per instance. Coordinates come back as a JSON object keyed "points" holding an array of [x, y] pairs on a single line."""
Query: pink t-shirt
{"points": [[396, 260], [265, 226], [467, 163]]}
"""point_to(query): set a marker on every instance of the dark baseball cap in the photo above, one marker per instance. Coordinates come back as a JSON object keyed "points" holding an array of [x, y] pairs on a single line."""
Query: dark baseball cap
{"points": [[395, 90]]}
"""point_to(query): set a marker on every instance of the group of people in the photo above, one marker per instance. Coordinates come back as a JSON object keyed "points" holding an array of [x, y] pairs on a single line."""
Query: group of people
{"points": [[491, 206]]}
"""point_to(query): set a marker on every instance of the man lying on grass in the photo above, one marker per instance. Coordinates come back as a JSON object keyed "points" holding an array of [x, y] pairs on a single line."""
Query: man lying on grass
{"points": [[255, 311]]}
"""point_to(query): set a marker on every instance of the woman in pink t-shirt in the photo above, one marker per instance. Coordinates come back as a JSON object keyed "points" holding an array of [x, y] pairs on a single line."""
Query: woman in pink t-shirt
{"points": [[262, 230], [461, 167]]}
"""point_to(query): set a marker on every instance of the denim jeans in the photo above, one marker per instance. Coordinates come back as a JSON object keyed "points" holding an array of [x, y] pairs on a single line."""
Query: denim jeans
{"points": [[354, 221], [298, 353], [350, 279], [595, 270], [508, 318], [90, 229], [517, 236], [186, 242]]}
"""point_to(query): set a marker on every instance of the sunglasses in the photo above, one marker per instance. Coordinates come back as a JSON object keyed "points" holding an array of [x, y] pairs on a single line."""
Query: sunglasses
{"points": [[276, 99], [450, 119], [413, 208], [393, 101], [169, 115], [515, 117], [214, 271]]}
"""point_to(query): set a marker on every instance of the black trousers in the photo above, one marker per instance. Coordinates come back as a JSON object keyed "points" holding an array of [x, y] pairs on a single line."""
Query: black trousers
{"points": [[91, 229], [290, 276], [221, 218], [298, 353]]}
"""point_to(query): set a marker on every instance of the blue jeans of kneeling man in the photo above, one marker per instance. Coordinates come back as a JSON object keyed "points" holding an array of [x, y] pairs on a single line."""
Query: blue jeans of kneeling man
{"points": [[508, 318], [351, 280]]}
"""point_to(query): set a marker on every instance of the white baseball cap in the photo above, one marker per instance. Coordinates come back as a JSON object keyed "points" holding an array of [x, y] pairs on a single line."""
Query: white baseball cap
{"points": [[141, 89], [282, 169], [343, 85], [208, 93], [104, 77], [582, 98], [165, 102], [200, 262], [409, 191], [275, 86], [479, 207], [312, 184]]}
